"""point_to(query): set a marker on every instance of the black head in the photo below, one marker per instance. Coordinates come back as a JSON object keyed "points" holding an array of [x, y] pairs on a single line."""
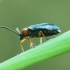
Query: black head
{"points": [[21, 36]]}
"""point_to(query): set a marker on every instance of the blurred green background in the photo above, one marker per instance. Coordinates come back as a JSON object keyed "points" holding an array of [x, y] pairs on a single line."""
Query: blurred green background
{"points": [[23, 13]]}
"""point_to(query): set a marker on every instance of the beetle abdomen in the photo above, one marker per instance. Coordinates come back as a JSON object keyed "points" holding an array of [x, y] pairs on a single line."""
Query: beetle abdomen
{"points": [[34, 33]]}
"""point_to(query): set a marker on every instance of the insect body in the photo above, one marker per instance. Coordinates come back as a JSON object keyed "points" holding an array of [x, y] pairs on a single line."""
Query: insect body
{"points": [[38, 30]]}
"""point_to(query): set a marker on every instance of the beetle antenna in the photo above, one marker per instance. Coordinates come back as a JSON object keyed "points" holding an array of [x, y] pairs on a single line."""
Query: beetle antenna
{"points": [[10, 30]]}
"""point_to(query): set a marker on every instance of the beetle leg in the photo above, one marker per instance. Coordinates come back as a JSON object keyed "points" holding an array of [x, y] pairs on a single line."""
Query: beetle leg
{"points": [[24, 40], [40, 34], [40, 40], [45, 36], [32, 44]]}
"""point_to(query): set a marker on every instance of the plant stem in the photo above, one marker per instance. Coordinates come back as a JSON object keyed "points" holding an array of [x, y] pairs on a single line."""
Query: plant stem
{"points": [[44, 51]]}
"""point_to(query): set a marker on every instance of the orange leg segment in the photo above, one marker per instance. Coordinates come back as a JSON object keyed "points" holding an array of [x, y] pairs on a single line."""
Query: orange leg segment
{"points": [[41, 34], [24, 40], [31, 42]]}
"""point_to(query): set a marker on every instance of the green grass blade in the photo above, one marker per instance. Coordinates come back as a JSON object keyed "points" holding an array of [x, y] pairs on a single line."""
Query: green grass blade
{"points": [[44, 51]]}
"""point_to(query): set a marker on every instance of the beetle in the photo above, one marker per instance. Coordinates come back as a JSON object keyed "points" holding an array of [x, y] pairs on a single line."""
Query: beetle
{"points": [[38, 30]]}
